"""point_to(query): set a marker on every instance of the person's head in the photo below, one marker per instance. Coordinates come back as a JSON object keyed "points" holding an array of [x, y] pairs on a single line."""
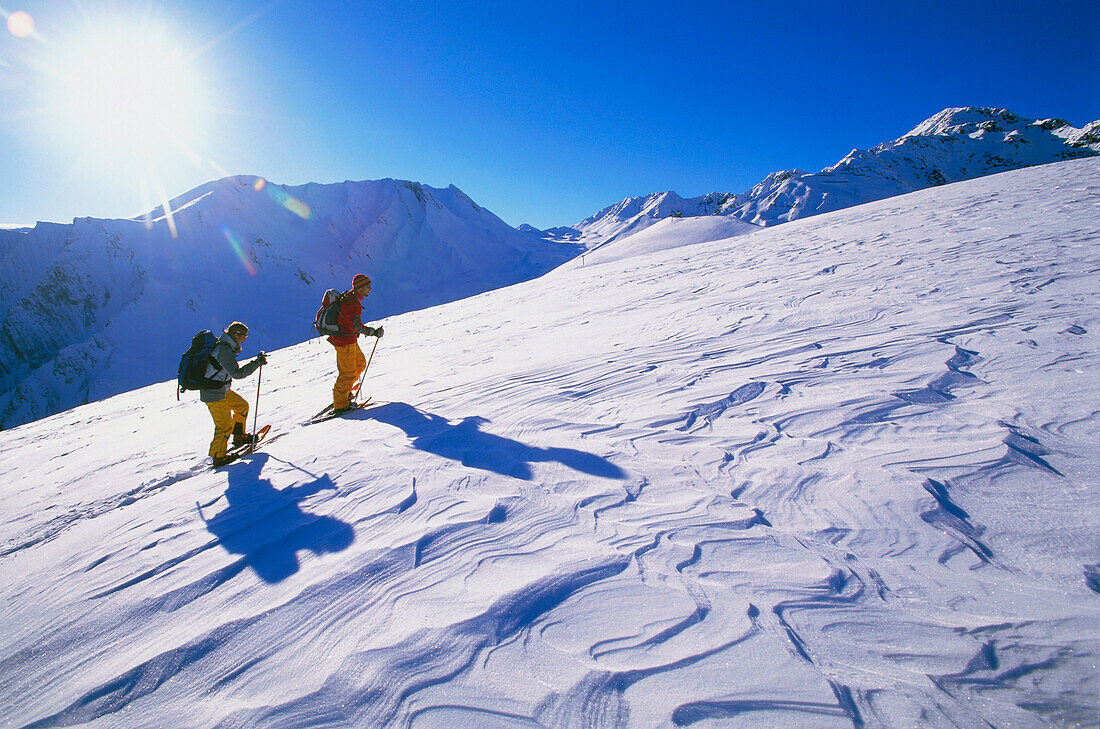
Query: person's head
{"points": [[238, 331], [360, 284]]}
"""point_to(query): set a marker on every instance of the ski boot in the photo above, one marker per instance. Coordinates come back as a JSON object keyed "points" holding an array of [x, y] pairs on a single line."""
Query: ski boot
{"points": [[241, 438]]}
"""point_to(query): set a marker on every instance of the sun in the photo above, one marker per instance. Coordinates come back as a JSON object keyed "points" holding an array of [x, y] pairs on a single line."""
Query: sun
{"points": [[126, 92], [130, 89], [121, 99]]}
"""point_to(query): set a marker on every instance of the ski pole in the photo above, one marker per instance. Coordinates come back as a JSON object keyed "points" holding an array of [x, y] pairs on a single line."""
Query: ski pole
{"points": [[364, 376], [256, 415]]}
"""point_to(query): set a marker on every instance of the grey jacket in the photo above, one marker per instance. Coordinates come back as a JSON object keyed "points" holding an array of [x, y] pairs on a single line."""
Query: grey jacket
{"points": [[226, 351]]}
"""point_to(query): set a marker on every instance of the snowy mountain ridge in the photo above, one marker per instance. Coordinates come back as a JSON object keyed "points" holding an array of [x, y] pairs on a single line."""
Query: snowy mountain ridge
{"points": [[839, 473], [99, 307], [634, 214], [954, 145]]}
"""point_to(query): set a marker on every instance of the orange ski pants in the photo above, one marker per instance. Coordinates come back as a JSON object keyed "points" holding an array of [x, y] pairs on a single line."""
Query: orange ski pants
{"points": [[351, 362], [226, 412]]}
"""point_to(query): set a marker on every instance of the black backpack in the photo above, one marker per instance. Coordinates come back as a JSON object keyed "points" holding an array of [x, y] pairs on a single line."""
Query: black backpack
{"points": [[327, 320], [193, 364]]}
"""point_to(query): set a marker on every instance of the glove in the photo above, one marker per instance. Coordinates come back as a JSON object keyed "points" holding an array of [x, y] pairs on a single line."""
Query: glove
{"points": [[261, 358], [379, 331]]}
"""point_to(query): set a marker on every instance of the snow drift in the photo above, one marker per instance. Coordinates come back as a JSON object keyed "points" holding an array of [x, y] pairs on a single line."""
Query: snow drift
{"points": [[840, 473]]}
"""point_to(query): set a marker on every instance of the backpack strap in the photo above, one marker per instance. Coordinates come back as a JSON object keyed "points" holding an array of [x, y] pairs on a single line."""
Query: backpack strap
{"points": [[212, 359], [340, 301]]}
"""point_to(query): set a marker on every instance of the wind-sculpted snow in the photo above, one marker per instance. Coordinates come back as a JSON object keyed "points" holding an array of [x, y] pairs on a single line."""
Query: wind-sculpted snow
{"points": [[839, 473]]}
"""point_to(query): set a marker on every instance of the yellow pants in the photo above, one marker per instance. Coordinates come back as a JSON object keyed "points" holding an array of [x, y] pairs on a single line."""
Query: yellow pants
{"points": [[227, 412], [351, 363]]}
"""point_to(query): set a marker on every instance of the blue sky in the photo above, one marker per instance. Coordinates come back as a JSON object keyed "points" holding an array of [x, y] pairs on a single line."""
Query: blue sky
{"points": [[542, 112]]}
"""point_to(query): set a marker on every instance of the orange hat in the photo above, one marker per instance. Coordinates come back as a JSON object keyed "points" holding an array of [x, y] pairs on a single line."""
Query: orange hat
{"points": [[359, 280]]}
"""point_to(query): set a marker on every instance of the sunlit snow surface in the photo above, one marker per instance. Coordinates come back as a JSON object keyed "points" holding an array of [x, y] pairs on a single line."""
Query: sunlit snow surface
{"points": [[840, 472]]}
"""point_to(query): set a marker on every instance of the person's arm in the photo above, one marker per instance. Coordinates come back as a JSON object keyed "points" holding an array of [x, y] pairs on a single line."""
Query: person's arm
{"points": [[228, 360], [351, 319]]}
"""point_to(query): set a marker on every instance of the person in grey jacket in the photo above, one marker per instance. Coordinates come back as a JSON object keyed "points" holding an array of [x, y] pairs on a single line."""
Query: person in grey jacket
{"points": [[229, 410]]}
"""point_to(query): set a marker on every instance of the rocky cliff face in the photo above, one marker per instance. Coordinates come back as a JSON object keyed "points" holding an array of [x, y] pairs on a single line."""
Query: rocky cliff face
{"points": [[98, 307]]}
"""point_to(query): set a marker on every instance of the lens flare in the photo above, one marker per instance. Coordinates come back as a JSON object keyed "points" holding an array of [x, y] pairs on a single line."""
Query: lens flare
{"points": [[21, 24], [235, 244], [289, 202]]}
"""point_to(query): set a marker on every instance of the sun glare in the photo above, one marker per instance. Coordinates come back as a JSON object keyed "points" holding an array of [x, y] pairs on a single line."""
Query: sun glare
{"points": [[123, 97], [127, 94], [125, 101]]}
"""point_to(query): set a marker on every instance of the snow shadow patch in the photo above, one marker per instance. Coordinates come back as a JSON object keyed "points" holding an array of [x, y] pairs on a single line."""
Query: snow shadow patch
{"points": [[268, 527], [467, 443]]}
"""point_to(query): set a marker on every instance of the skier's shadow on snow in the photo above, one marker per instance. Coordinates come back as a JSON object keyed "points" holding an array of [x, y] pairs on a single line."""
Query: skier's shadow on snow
{"points": [[467, 443], [267, 527]]}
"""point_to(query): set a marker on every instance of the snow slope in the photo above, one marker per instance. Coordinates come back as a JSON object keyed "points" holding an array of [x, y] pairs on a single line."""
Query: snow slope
{"points": [[838, 473], [668, 233], [954, 145], [99, 307]]}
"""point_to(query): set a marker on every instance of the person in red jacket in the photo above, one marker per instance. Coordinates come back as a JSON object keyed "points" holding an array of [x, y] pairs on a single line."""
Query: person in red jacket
{"points": [[350, 360]]}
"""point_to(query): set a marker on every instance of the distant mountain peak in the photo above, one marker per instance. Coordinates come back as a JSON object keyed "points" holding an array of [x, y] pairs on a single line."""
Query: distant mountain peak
{"points": [[956, 144], [966, 120]]}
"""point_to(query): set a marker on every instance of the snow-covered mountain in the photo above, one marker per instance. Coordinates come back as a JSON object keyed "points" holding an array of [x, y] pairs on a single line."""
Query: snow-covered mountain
{"points": [[954, 145], [100, 307], [837, 473], [635, 214]]}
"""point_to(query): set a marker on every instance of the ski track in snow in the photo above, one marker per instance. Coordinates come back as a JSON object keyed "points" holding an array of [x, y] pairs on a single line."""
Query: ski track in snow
{"points": [[836, 473]]}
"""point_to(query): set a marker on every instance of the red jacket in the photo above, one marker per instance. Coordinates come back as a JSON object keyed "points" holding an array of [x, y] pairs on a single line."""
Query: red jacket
{"points": [[350, 321]]}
